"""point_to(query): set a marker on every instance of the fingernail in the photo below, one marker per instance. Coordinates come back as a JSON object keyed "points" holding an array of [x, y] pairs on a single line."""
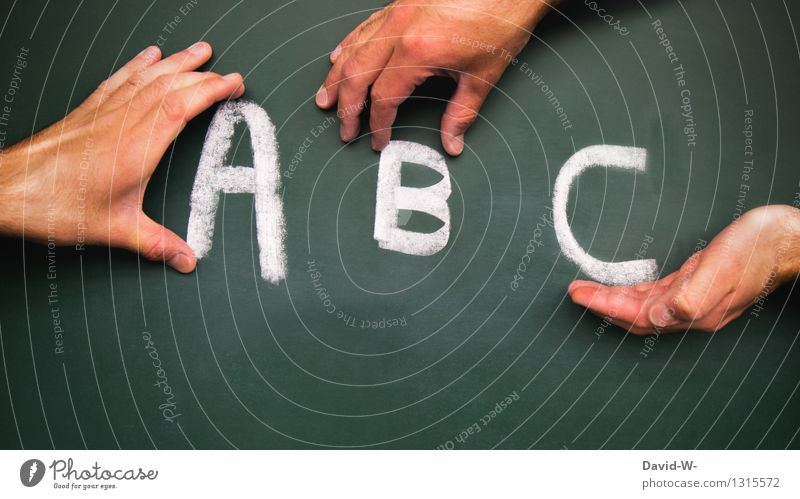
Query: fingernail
{"points": [[198, 48], [662, 316], [336, 52], [232, 76], [322, 96], [454, 145], [379, 143], [182, 263], [150, 54]]}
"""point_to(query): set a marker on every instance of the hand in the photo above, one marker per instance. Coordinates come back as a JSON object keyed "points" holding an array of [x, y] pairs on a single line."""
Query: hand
{"points": [[405, 43], [82, 180], [740, 267]]}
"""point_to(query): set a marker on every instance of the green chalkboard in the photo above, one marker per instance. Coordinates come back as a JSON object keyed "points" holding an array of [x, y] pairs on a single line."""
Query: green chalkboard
{"points": [[412, 352]]}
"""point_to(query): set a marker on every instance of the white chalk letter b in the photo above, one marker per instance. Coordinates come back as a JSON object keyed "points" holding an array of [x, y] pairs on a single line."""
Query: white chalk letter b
{"points": [[609, 273], [392, 196], [262, 180]]}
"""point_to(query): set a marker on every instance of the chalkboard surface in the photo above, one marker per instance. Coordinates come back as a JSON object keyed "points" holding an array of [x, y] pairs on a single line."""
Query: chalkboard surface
{"points": [[462, 349]]}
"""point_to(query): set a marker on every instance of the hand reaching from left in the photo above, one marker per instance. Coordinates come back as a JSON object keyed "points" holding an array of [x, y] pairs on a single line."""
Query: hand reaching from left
{"points": [[83, 178], [742, 265]]}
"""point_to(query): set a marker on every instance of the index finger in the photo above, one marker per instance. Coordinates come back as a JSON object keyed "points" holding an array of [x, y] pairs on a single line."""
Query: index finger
{"points": [[391, 89], [357, 73]]}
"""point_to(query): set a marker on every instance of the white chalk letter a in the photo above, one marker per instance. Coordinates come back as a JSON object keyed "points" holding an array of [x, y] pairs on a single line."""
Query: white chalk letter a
{"points": [[262, 180], [609, 273], [392, 196]]}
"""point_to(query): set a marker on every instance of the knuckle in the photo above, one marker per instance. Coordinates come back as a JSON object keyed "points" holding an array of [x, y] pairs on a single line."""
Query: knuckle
{"points": [[163, 82], [380, 98], [686, 306], [400, 15], [103, 86], [691, 263], [351, 71], [204, 97], [151, 247], [417, 45], [135, 79], [173, 107], [331, 81], [133, 84], [462, 115]]}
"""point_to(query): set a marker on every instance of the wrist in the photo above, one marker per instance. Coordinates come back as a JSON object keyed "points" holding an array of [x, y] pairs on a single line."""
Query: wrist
{"points": [[788, 247], [11, 192], [19, 201]]}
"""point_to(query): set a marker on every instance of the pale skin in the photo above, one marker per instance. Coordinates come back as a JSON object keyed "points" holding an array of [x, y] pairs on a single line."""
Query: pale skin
{"points": [[82, 180], [114, 140]]}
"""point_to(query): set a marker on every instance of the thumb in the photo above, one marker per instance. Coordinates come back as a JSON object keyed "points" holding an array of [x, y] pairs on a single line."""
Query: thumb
{"points": [[157, 243], [461, 112]]}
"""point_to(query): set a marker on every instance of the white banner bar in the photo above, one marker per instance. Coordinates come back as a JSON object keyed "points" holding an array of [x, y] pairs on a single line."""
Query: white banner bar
{"points": [[399, 474]]}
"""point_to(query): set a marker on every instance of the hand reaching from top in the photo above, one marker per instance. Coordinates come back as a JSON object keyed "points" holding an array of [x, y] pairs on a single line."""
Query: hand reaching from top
{"points": [[408, 41]]}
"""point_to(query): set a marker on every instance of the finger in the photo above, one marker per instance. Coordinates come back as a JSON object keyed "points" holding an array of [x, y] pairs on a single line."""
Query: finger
{"points": [[625, 306], [654, 287], [349, 79], [391, 89], [143, 60], [461, 112], [639, 331], [358, 73], [363, 31], [157, 243], [181, 104], [615, 303], [184, 61], [642, 288], [328, 93], [187, 59], [580, 284], [164, 84]]}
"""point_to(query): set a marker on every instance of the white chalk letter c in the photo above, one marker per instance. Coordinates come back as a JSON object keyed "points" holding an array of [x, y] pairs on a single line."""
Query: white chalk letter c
{"points": [[609, 273]]}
